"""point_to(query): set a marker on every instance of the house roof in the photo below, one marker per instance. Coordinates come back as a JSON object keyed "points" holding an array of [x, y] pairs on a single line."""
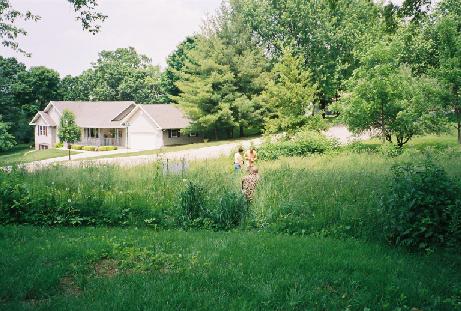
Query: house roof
{"points": [[101, 114], [46, 117], [167, 116], [114, 114]]}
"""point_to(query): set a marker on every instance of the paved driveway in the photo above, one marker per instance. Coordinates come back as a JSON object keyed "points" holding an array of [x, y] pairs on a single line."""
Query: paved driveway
{"points": [[211, 152]]}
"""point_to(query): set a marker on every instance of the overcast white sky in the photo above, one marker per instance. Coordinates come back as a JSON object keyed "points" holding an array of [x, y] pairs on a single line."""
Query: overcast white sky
{"points": [[152, 27]]}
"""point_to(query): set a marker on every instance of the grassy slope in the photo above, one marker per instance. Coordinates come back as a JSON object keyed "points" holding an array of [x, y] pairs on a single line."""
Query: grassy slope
{"points": [[128, 269], [333, 195], [23, 154]]}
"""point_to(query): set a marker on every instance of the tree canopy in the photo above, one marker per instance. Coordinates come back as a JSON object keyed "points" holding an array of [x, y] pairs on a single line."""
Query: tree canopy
{"points": [[122, 74]]}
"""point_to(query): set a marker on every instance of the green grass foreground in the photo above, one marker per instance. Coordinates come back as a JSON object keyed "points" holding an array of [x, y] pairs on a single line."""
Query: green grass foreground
{"points": [[23, 154], [313, 239], [130, 269]]}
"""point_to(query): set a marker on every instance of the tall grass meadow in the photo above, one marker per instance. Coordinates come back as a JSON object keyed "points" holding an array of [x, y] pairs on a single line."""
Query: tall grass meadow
{"points": [[336, 194]]}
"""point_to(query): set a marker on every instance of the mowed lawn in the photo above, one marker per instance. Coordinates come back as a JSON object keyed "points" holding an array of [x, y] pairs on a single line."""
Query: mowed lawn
{"points": [[130, 269], [23, 154]]}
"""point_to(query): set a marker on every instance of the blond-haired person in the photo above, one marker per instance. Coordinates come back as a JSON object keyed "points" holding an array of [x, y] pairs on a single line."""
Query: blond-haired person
{"points": [[251, 156]]}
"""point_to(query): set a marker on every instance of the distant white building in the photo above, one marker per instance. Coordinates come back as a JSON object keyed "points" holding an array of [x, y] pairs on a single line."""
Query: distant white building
{"points": [[120, 123]]}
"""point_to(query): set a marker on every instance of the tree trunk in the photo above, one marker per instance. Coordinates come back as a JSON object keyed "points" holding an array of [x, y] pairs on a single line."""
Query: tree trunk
{"points": [[383, 127], [388, 138], [323, 105], [458, 125], [399, 142], [216, 133], [241, 131]]}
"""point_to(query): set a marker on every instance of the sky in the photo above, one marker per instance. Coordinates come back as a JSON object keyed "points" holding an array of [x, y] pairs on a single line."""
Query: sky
{"points": [[152, 27]]}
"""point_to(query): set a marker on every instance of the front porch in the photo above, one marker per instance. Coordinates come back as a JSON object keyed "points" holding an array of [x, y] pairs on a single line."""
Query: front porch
{"points": [[103, 137]]}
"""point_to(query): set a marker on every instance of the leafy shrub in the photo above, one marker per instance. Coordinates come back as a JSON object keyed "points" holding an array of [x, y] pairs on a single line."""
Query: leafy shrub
{"points": [[197, 211], [390, 150], [360, 147], [76, 147], [107, 148], [316, 123], [59, 145], [422, 209], [192, 204], [14, 199], [301, 144], [230, 211], [434, 146], [89, 148]]}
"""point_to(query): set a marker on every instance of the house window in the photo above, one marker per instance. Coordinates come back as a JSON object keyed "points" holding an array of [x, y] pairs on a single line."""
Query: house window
{"points": [[42, 147], [193, 134], [42, 130], [174, 133], [91, 133]]}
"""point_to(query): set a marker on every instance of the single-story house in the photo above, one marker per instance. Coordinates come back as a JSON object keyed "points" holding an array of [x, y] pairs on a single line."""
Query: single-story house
{"points": [[119, 123]]}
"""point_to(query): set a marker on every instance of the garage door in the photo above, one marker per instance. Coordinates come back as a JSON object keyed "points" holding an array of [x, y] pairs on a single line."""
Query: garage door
{"points": [[144, 141]]}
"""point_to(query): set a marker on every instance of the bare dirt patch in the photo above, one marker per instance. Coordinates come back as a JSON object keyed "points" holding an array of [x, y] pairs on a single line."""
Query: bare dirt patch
{"points": [[69, 287], [106, 268]]}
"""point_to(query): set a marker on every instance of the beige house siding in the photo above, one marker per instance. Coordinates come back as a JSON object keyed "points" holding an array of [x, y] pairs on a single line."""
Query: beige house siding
{"points": [[183, 139], [48, 140]]}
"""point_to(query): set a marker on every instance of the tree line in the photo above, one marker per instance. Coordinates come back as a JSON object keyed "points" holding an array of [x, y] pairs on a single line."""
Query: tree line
{"points": [[270, 66]]}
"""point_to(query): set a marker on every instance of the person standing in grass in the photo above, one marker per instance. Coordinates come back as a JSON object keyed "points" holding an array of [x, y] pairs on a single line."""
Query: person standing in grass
{"points": [[251, 156], [249, 183], [238, 160]]}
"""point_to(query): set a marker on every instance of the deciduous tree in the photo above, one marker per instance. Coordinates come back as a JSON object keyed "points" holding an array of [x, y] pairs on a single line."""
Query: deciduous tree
{"points": [[6, 139], [385, 95], [122, 74], [448, 42], [68, 130]]}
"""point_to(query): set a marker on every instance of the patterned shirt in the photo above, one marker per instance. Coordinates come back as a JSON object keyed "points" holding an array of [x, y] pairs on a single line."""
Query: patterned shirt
{"points": [[249, 185]]}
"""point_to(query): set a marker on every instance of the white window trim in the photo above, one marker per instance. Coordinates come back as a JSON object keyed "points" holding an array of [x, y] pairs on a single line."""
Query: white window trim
{"points": [[42, 130]]}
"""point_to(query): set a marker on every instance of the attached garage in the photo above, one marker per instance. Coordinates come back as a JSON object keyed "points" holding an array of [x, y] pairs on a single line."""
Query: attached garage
{"points": [[143, 133], [157, 125], [144, 141]]}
